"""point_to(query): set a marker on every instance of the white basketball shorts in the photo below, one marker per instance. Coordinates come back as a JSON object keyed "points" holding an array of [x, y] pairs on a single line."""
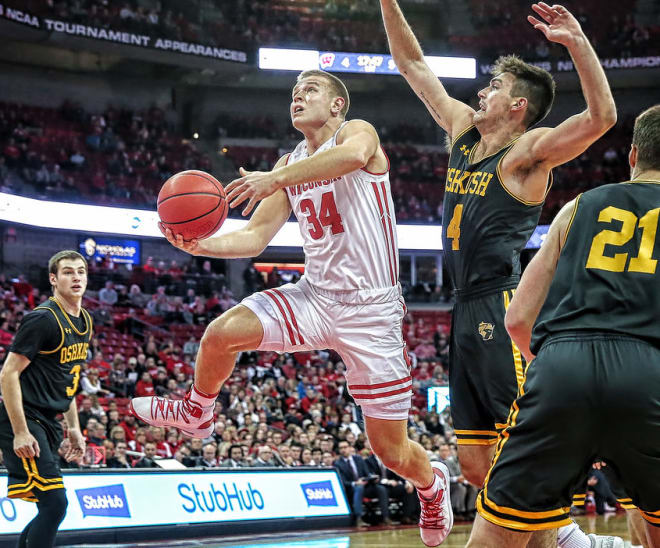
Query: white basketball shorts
{"points": [[364, 327]]}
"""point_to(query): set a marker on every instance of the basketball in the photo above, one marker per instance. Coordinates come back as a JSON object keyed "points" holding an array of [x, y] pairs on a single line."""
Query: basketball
{"points": [[193, 204]]}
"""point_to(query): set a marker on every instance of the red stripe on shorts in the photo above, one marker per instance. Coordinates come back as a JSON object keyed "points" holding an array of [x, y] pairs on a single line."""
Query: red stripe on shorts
{"points": [[379, 385], [293, 316], [389, 222], [382, 394], [288, 325], [382, 220]]}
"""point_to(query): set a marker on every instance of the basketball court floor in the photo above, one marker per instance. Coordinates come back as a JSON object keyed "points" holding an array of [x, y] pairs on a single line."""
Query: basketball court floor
{"points": [[399, 536]]}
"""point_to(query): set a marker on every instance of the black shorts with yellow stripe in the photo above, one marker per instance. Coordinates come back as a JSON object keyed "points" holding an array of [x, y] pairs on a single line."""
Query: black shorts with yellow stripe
{"points": [[30, 477], [485, 366], [585, 396]]}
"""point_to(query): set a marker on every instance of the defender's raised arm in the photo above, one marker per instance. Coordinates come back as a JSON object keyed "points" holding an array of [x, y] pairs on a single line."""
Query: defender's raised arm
{"points": [[573, 136], [452, 115]]}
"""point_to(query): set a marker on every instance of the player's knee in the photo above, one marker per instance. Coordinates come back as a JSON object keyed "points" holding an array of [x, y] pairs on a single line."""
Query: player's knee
{"points": [[392, 458], [474, 472], [52, 505], [233, 331]]}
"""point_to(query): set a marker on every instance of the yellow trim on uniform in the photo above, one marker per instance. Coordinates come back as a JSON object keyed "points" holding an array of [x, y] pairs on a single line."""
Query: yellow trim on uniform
{"points": [[570, 222], [517, 356], [654, 514], [35, 481], [500, 425], [477, 432], [475, 441], [526, 514], [61, 331], [87, 322], [518, 198], [493, 154], [651, 519], [91, 323], [517, 525], [451, 147]]}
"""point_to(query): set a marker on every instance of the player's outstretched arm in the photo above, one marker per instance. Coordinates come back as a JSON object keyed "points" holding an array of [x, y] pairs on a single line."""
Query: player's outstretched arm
{"points": [[535, 282], [569, 139], [25, 444], [452, 115], [250, 240], [357, 143]]}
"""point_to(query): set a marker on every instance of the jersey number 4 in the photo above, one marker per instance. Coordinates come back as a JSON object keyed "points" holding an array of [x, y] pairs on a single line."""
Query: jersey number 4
{"points": [[617, 263], [327, 216], [454, 227]]}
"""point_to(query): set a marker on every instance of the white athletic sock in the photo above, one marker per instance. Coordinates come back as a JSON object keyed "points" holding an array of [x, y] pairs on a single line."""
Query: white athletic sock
{"points": [[429, 492], [202, 398], [571, 536]]}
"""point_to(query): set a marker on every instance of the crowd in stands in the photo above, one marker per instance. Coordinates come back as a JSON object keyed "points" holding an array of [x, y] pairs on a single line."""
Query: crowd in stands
{"points": [[355, 26], [115, 157], [121, 157]]}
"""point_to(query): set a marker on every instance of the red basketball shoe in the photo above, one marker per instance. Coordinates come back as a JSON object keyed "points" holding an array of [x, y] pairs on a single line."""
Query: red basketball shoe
{"points": [[437, 518], [186, 415]]}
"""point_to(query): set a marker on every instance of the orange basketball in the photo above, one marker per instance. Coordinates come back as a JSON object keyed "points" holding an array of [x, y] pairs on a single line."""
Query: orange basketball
{"points": [[193, 204]]}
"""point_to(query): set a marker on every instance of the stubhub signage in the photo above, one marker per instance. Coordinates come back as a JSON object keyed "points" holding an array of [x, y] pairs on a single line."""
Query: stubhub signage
{"points": [[104, 500], [319, 493]]}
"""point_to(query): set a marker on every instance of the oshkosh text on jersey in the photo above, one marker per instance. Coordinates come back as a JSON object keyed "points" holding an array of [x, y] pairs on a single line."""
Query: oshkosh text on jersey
{"points": [[464, 182]]}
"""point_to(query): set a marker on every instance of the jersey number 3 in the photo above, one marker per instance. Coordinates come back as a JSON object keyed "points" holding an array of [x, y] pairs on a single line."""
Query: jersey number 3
{"points": [[454, 227], [71, 390], [617, 263], [327, 216]]}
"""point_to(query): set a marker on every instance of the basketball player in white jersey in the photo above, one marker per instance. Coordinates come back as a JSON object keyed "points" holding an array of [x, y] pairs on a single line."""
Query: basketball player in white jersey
{"points": [[336, 182]]}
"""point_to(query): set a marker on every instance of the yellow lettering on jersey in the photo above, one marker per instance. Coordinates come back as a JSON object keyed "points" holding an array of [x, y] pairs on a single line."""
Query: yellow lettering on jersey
{"points": [[450, 182], [464, 182], [462, 178], [483, 184], [472, 182], [74, 352]]}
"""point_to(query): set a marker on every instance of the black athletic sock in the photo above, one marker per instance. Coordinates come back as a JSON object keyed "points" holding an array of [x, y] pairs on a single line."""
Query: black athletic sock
{"points": [[43, 529]]}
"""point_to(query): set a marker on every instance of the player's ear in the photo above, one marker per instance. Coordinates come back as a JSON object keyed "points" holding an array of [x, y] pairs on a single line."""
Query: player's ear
{"points": [[632, 156], [520, 103], [52, 278], [337, 105]]}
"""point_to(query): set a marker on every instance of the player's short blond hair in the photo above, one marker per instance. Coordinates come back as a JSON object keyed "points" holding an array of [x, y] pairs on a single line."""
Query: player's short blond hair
{"points": [[646, 137], [533, 83], [54, 261], [337, 87]]}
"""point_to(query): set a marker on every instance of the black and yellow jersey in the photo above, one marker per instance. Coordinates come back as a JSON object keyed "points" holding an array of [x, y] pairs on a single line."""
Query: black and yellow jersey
{"points": [[56, 344], [485, 227], [607, 277]]}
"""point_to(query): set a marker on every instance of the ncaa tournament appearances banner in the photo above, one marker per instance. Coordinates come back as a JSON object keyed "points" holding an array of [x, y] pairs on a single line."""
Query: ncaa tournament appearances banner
{"points": [[101, 501], [129, 38]]}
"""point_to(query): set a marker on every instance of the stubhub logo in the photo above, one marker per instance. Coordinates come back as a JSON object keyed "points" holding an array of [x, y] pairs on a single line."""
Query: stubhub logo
{"points": [[319, 493], [109, 501]]}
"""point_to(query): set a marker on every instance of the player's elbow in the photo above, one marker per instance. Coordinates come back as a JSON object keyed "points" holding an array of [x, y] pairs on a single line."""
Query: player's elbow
{"points": [[604, 119], [514, 323]]}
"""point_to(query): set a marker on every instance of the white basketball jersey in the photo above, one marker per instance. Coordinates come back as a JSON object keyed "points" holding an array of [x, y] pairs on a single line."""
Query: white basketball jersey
{"points": [[348, 227]]}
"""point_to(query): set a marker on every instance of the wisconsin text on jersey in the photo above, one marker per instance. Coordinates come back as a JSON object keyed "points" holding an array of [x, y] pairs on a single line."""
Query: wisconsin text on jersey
{"points": [[464, 182], [298, 189]]}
